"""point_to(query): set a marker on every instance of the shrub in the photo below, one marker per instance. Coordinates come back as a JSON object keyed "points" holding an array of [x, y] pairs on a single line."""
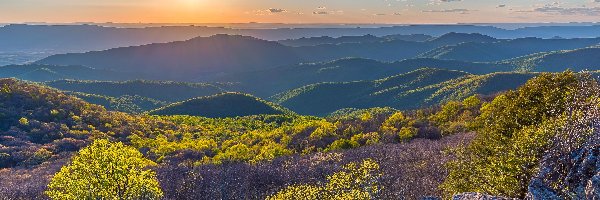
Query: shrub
{"points": [[394, 123], [105, 170], [406, 133], [355, 181], [342, 144], [23, 121], [471, 102]]}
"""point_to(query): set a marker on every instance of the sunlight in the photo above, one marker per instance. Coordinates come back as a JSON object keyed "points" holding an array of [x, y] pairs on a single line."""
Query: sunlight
{"points": [[192, 3]]}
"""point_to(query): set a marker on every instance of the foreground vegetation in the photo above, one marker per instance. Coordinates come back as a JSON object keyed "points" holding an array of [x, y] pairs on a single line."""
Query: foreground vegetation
{"points": [[350, 154]]}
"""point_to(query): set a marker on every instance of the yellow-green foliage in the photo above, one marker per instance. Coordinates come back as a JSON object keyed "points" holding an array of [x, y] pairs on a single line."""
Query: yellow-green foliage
{"points": [[106, 170], [471, 102], [355, 181], [514, 131], [394, 123], [456, 116], [237, 139], [407, 133], [24, 121]]}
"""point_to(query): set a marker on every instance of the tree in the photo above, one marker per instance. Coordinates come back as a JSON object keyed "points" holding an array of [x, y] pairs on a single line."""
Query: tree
{"points": [[394, 123], [514, 132], [355, 181], [106, 170]]}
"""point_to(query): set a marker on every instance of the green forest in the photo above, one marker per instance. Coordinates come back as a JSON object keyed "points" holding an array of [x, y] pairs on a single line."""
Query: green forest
{"points": [[101, 154]]}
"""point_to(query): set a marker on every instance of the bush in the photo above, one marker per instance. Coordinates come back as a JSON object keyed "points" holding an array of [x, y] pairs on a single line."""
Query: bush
{"points": [[105, 170], [406, 133], [355, 181]]}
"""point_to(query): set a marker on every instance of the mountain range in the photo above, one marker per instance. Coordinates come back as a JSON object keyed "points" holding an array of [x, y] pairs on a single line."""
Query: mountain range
{"points": [[416, 89], [204, 57], [222, 105]]}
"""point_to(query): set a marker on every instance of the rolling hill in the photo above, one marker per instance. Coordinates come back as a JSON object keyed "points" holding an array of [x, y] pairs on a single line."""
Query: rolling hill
{"points": [[222, 105], [314, 41], [423, 87], [134, 96], [130, 104], [556, 61], [506, 49], [204, 57], [40, 73], [265, 83]]}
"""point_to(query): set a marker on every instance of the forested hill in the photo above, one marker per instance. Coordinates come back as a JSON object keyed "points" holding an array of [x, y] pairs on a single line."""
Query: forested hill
{"points": [[506, 49], [265, 83], [209, 56], [168, 91], [222, 105], [556, 61], [416, 89]]}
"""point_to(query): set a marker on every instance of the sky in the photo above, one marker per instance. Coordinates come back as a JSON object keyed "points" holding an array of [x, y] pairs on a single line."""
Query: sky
{"points": [[299, 11]]}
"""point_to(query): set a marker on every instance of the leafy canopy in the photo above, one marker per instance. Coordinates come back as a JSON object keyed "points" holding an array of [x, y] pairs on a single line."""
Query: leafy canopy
{"points": [[513, 133], [355, 181], [106, 170]]}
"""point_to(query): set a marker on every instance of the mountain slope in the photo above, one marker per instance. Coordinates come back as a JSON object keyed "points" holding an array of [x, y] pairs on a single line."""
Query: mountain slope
{"points": [[556, 61], [423, 87], [324, 98], [34, 72], [266, 83], [159, 90], [496, 51], [204, 57], [221, 105]]}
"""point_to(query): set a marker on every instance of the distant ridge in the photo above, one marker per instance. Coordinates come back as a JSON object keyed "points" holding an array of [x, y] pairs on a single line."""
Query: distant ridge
{"points": [[222, 105], [506, 49], [413, 90], [207, 57], [555, 61]]}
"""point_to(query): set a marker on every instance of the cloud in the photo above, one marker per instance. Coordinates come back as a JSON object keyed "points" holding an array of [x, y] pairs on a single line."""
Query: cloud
{"points": [[588, 11], [276, 10], [320, 13], [456, 10], [438, 2]]}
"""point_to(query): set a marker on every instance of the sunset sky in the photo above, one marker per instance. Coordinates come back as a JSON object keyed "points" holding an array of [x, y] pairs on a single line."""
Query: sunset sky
{"points": [[299, 11]]}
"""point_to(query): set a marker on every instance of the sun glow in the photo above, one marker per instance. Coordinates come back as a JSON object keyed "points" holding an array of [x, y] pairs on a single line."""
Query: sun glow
{"points": [[191, 3]]}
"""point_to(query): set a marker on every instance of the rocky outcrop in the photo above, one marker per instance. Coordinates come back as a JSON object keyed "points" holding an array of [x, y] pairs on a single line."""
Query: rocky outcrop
{"points": [[577, 177], [477, 196]]}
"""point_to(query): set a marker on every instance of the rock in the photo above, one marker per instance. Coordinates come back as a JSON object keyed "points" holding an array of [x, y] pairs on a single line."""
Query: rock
{"points": [[578, 177], [537, 190], [477, 196], [592, 190]]}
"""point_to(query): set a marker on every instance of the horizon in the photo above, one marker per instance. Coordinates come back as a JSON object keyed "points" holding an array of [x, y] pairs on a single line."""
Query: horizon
{"points": [[290, 12]]}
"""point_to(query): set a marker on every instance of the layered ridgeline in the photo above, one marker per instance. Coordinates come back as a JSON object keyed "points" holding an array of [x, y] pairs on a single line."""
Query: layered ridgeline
{"points": [[506, 49], [35, 72], [222, 105], [555, 61], [423, 87], [136, 96], [313, 41], [265, 83], [205, 57]]}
